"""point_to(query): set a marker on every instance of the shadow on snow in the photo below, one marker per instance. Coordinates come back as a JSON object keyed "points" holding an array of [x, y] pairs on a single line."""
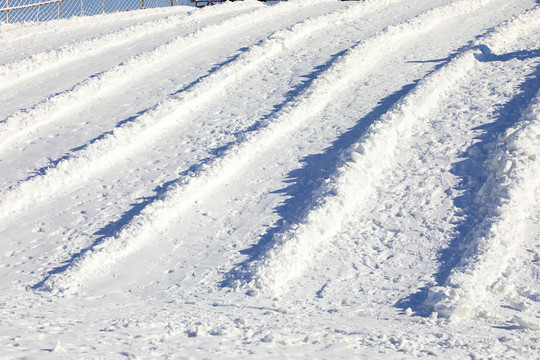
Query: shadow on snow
{"points": [[54, 162], [305, 181], [113, 228], [471, 172]]}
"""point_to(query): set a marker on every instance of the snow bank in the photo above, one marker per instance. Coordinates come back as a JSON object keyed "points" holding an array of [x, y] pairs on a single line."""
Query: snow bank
{"points": [[363, 165], [154, 218], [505, 200]]}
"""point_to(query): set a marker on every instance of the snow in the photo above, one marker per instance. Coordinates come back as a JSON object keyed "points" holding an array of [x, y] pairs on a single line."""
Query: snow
{"points": [[307, 179], [504, 204]]}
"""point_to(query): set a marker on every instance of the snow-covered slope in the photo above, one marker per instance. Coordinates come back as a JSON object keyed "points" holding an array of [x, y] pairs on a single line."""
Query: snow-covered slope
{"points": [[310, 179]]}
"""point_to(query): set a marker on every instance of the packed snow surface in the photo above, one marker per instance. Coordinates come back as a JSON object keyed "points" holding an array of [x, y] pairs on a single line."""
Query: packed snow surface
{"points": [[307, 179]]}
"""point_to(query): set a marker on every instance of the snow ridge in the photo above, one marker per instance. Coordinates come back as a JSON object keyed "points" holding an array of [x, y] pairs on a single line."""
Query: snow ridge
{"points": [[505, 200], [24, 124], [155, 217], [148, 127], [11, 32], [23, 69], [296, 246]]}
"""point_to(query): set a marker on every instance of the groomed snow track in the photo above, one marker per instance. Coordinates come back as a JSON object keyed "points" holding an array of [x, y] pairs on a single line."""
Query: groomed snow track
{"points": [[310, 178]]}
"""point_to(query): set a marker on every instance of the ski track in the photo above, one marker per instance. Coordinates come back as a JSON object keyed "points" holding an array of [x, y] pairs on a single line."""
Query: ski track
{"points": [[25, 143], [24, 124], [289, 37], [146, 129], [154, 218], [295, 246], [219, 133], [13, 73], [17, 32], [512, 172]]}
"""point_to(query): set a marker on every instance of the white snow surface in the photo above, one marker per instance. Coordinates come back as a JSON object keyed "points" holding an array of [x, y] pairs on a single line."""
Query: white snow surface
{"points": [[307, 179]]}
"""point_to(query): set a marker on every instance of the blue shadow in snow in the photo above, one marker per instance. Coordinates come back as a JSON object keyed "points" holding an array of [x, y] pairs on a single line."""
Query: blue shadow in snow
{"points": [[290, 96], [470, 171], [54, 162], [113, 228], [110, 230], [305, 181], [488, 56], [215, 68]]}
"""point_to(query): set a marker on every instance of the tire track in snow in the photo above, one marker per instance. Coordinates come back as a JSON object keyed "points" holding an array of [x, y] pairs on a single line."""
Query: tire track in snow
{"points": [[365, 162], [506, 199], [24, 69], [155, 217], [23, 125], [147, 128]]}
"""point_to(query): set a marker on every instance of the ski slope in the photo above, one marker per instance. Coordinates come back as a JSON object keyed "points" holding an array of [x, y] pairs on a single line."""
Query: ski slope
{"points": [[308, 179]]}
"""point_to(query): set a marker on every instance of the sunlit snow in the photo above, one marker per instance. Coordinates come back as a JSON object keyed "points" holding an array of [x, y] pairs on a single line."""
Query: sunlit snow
{"points": [[307, 179]]}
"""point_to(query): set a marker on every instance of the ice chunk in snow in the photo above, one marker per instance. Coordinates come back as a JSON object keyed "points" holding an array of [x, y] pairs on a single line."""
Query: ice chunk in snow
{"points": [[448, 302], [526, 324], [58, 347]]}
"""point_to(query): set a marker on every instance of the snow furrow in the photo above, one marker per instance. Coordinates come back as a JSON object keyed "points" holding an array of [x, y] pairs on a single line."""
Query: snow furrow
{"points": [[13, 73], [363, 165], [505, 201], [16, 32], [24, 124], [155, 217], [148, 127]]}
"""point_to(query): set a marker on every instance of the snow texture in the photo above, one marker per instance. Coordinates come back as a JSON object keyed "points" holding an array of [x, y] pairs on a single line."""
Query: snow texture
{"points": [[302, 179]]}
